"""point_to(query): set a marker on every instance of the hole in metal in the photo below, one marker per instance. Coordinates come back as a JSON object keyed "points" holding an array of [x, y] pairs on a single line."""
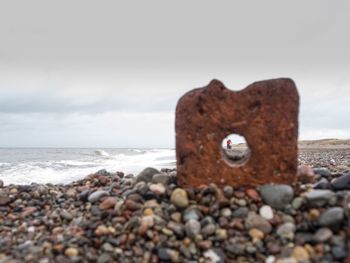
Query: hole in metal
{"points": [[235, 149]]}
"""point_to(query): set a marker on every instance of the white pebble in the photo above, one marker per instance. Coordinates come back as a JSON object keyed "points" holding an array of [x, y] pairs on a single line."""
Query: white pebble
{"points": [[266, 212]]}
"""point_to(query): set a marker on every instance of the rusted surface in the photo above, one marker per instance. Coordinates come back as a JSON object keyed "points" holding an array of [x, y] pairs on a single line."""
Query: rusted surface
{"points": [[265, 113]]}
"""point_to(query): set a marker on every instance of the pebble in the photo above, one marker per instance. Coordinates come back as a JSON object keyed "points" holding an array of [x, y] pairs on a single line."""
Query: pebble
{"points": [[266, 212], [147, 175], [300, 254], [342, 182], [157, 188], [256, 221], [108, 203], [332, 216], [226, 212], [297, 202], [71, 252], [179, 198], [277, 196], [286, 231], [323, 234], [95, 196], [322, 171], [323, 183], [4, 200], [319, 198], [66, 215], [208, 230], [228, 191], [161, 178], [256, 234], [192, 228]]}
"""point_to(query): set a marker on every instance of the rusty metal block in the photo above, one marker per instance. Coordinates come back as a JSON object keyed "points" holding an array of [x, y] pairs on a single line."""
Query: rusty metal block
{"points": [[265, 113]]}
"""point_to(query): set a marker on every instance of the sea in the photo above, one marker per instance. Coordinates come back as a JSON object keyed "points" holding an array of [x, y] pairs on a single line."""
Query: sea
{"points": [[64, 165]]}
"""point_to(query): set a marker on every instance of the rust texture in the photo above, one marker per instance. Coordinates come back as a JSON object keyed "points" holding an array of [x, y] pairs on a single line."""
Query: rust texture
{"points": [[265, 113]]}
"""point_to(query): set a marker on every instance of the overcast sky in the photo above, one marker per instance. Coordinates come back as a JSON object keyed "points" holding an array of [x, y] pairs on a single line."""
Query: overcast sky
{"points": [[109, 73]]}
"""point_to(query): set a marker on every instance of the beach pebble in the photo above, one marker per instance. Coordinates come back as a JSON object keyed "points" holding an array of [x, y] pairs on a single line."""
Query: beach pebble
{"points": [[332, 216], [95, 196], [4, 200], [191, 213], [342, 182], [147, 175], [167, 254], [322, 171], [297, 202], [208, 230], [228, 191], [323, 183], [277, 196], [286, 231], [300, 254], [240, 212], [161, 178], [108, 203], [179, 198], [104, 258], [66, 215], [319, 198], [158, 188], [256, 234], [256, 221], [266, 212], [71, 252], [323, 234], [212, 256], [192, 228]]}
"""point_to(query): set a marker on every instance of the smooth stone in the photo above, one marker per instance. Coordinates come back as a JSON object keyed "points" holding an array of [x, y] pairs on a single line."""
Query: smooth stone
{"points": [[297, 202], [66, 215], [179, 198], [240, 212], [323, 183], [319, 198], [228, 191], [157, 188], [192, 228], [213, 257], [104, 258], [323, 234], [71, 252], [254, 220], [277, 196], [339, 252], [332, 216], [95, 196], [226, 212], [191, 213], [167, 254], [208, 230], [266, 212], [221, 234], [342, 182], [108, 203], [161, 178], [256, 234], [300, 254], [4, 200], [147, 175], [286, 231], [322, 171]]}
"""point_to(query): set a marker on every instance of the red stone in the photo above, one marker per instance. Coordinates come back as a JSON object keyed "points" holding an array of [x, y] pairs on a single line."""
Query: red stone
{"points": [[265, 113]]}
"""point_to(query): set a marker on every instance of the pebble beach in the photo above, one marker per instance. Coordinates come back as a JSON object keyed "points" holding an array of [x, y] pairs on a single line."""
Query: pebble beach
{"points": [[117, 217]]}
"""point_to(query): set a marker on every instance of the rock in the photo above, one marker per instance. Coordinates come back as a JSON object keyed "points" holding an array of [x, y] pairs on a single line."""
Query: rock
{"points": [[240, 212], [221, 234], [339, 252], [179, 198], [226, 212], [323, 234], [332, 216], [192, 228], [71, 252], [300, 254], [147, 175], [158, 188], [66, 215], [322, 171], [191, 213], [1, 183], [256, 234], [319, 198], [206, 114], [228, 191], [108, 203], [213, 257], [104, 258], [255, 221], [297, 202], [4, 200], [277, 196], [286, 231], [167, 254], [323, 183], [342, 182], [161, 178], [253, 194], [305, 174], [208, 230], [95, 196], [266, 212]]}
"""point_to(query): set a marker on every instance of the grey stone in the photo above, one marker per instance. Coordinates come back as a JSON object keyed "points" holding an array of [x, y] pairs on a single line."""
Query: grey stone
{"points": [[240, 212], [342, 182], [331, 216], [95, 196], [192, 228], [66, 215], [254, 220], [323, 234], [146, 175], [319, 198], [161, 178], [322, 184], [322, 171], [277, 196], [286, 231]]}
